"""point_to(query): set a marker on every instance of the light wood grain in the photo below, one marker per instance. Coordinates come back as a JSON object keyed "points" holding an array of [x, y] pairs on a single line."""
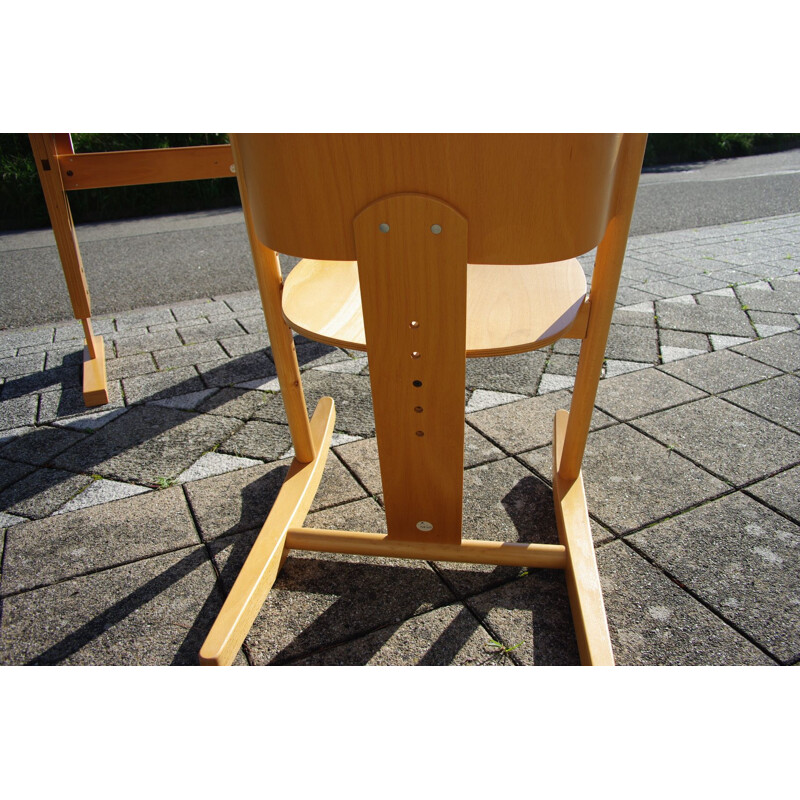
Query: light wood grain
{"points": [[510, 308], [258, 574], [472, 551], [414, 296], [583, 580], [135, 167]]}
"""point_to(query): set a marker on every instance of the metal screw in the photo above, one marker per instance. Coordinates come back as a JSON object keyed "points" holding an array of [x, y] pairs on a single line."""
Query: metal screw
{"points": [[436, 228], [384, 227], [413, 324], [415, 354]]}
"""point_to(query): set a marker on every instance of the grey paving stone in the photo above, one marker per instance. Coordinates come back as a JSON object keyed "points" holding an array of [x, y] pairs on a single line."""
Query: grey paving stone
{"points": [[517, 373], [627, 296], [527, 424], [160, 385], [130, 366], [781, 491], [636, 393], [40, 493], [719, 371], [218, 329], [316, 354], [186, 402], [151, 612], [238, 370], [561, 364], [732, 443], [237, 403], [482, 399], [698, 342], [27, 337], [16, 412], [258, 439], [777, 399], [632, 343], [21, 365], [241, 301], [68, 403], [12, 471], [252, 322], [240, 501], [351, 394], [780, 300], [653, 622], [740, 558], [532, 615], [631, 481], [703, 319], [189, 354], [146, 343], [782, 351], [101, 491], [67, 545], [90, 421], [40, 445], [449, 636], [147, 443], [192, 309], [214, 464], [236, 346], [631, 315]]}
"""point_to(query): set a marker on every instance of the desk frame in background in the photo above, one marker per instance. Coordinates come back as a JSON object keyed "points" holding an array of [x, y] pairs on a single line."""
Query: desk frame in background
{"points": [[62, 170]]}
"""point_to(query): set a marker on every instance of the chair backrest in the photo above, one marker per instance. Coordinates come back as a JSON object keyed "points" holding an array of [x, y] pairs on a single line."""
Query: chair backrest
{"points": [[413, 210], [529, 198]]}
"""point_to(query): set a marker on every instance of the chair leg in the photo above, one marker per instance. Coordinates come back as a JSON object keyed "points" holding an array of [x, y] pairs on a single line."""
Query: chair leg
{"points": [[258, 574], [583, 579]]}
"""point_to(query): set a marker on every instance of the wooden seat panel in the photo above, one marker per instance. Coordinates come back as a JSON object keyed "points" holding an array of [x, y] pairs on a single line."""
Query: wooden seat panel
{"points": [[510, 308]]}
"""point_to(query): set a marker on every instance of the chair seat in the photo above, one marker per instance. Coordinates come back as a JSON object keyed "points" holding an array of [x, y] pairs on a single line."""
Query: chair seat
{"points": [[510, 308]]}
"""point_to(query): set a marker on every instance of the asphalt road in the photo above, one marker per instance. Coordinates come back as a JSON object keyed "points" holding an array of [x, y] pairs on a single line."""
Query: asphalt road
{"points": [[150, 262]]}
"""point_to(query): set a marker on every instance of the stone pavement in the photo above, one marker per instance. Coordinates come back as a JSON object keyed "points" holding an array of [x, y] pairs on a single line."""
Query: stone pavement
{"points": [[123, 527]]}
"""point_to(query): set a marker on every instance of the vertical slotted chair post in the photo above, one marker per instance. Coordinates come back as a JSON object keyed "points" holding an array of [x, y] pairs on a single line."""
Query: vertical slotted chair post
{"points": [[438, 248], [47, 147]]}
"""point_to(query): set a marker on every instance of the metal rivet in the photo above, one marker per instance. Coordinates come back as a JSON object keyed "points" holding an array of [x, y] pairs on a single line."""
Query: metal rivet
{"points": [[384, 227], [418, 409], [424, 526], [413, 324], [420, 433], [415, 354], [436, 228], [417, 383], [233, 168]]}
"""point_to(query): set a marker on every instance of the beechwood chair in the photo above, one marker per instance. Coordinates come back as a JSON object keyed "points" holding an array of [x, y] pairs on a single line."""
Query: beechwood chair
{"points": [[424, 250]]}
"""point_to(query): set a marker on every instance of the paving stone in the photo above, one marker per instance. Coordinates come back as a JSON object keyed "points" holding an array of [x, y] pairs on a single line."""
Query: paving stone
{"points": [[16, 412], [67, 545], [614, 367], [205, 308], [782, 351], [777, 399], [27, 337], [631, 481], [101, 491], [449, 636], [351, 394], [188, 354], [146, 343], [640, 314], [12, 434], [720, 342], [21, 365], [781, 491], [267, 441], [741, 559], [627, 296], [350, 366], [528, 423], [40, 493], [632, 344], [532, 615], [633, 394], [7, 520], [147, 443], [241, 301], [554, 383], [653, 622], [12, 471], [703, 319], [480, 399], [312, 354], [214, 464], [242, 345], [218, 329], [151, 612], [238, 403], [143, 317], [516, 373], [240, 501], [160, 385], [229, 373], [253, 322], [40, 445], [130, 366], [669, 354], [186, 402], [719, 371], [57, 406], [684, 339], [730, 442]]}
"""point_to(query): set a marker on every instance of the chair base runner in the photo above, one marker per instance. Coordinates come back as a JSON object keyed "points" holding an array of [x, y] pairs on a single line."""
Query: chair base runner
{"points": [[95, 386], [261, 567], [583, 579]]}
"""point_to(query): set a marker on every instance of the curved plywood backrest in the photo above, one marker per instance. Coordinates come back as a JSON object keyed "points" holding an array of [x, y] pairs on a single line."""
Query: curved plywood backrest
{"points": [[528, 198]]}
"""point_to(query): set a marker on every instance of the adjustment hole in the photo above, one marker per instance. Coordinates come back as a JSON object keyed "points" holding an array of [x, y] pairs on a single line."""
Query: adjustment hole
{"points": [[417, 383], [418, 409], [420, 433]]}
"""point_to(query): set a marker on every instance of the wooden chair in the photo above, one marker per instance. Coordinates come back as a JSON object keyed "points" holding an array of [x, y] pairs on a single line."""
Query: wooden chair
{"points": [[423, 249]]}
